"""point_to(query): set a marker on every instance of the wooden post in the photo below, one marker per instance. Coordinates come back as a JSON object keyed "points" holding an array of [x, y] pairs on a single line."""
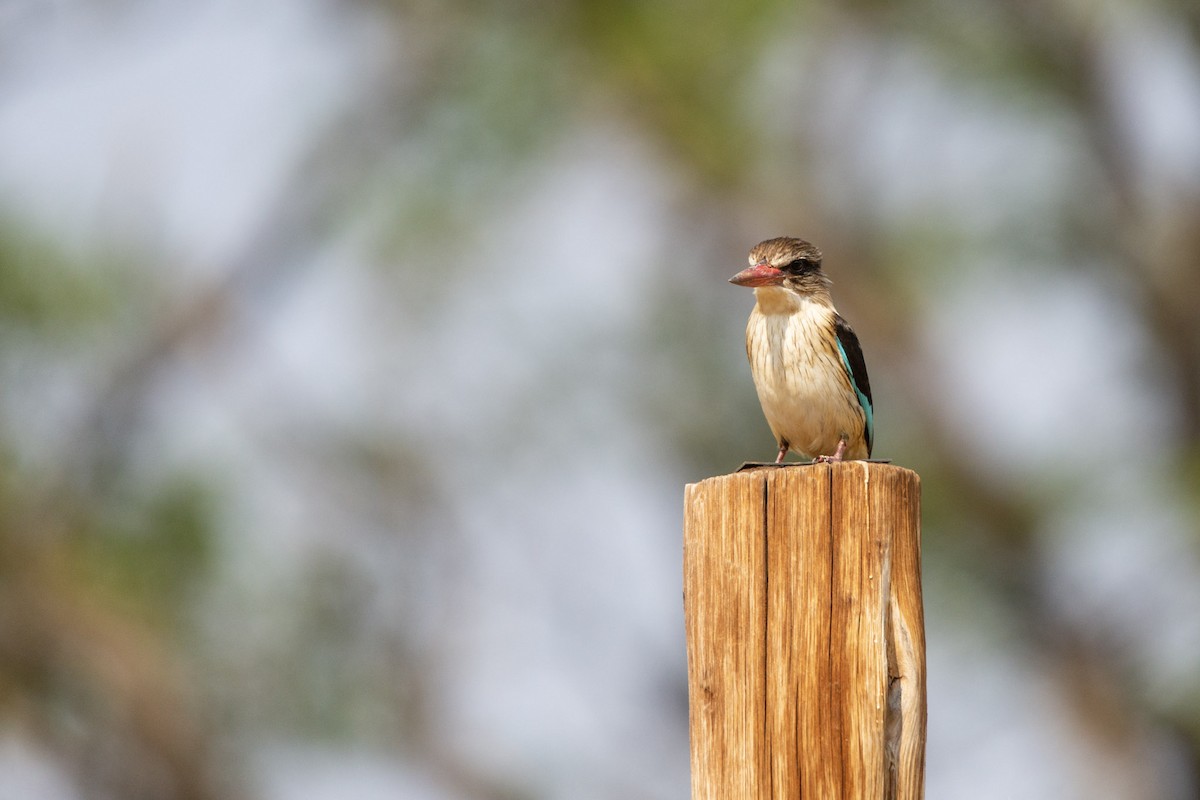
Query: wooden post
{"points": [[805, 633]]}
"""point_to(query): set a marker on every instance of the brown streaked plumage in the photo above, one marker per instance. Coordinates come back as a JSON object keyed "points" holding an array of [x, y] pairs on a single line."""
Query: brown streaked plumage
{"points": [[806, 362]]}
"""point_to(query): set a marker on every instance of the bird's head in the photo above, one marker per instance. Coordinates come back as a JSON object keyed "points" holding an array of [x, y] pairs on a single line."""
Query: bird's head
{"points": [[784, 263]]}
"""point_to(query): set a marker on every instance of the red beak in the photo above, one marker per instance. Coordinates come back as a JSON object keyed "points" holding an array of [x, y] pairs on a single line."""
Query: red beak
{"points": [[759, 275]]}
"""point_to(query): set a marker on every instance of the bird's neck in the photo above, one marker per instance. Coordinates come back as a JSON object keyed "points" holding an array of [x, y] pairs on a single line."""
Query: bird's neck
{"points": [[777, 300]]}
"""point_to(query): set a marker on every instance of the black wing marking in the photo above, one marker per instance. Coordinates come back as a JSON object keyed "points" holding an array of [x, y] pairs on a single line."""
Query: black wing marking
{"points": [[856, 365]]}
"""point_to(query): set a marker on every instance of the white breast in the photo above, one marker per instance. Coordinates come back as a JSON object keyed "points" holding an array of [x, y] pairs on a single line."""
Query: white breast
{"points": [[805, 393]]}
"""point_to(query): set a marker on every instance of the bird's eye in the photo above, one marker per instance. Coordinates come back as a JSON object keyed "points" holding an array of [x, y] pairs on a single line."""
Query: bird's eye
{"points": [[798, 266]]}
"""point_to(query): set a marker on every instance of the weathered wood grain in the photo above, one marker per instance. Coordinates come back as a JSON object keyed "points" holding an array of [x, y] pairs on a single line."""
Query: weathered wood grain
{"points": [[806, 663]]}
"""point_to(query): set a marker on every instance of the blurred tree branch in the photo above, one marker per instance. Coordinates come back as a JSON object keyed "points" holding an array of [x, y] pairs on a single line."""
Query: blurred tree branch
{"points": [[1158, 252], [141, 731]]}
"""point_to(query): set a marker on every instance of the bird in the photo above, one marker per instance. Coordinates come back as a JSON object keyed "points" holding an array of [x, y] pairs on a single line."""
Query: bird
{"points": [[807, 364]]}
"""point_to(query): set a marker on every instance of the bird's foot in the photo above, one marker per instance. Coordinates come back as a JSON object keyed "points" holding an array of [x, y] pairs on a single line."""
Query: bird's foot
{"points": [[838, 455], [783, 450]]}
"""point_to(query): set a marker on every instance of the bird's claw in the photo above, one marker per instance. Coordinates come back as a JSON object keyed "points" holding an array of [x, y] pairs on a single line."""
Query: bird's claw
{"points": [[838, 455]]}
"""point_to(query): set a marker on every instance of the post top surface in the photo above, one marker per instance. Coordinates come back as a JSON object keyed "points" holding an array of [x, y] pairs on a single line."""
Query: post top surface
{"points": [[754, 471]]}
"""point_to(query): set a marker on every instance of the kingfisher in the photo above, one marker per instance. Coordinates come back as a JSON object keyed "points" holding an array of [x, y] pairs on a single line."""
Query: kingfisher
{"points": [[807, 364]]}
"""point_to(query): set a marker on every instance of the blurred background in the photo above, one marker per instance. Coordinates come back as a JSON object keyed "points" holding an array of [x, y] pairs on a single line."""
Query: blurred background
{"points": [[354, 355]]}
